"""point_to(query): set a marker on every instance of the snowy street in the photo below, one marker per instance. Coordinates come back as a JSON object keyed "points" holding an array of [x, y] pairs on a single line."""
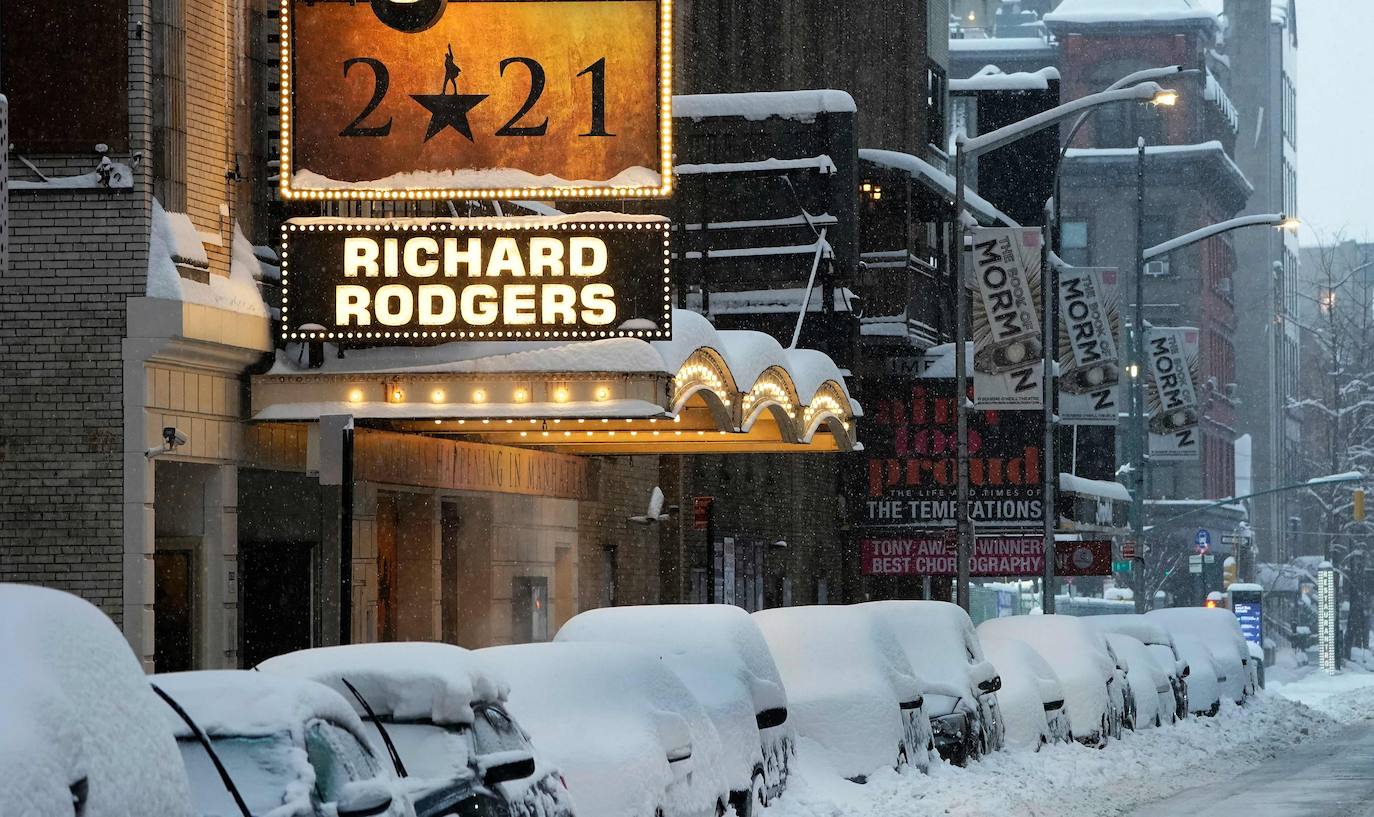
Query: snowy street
{"points": [[1320, 758]]}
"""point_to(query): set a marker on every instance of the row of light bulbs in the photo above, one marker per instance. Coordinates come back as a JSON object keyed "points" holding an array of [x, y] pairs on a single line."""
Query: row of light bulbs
{"points": [[395, 394]]}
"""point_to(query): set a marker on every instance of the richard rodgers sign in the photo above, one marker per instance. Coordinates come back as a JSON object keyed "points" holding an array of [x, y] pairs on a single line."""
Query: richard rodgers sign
{"points": [[424, 281]]}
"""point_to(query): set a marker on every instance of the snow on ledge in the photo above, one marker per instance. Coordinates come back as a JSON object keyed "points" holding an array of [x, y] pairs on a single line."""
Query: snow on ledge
{"points": [[992, 78], [1092, 12], [1094, 487], [803, 106], [172, 239], [483, 178]]}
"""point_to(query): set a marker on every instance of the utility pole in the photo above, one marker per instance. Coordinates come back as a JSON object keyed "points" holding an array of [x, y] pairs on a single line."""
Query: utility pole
{"points": [[1138, 441], [961, 515]]}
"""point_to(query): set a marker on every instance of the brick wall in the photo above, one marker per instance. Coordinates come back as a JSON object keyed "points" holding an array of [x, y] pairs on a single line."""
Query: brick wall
{"points": [[74, 259], [624, 485], [772, 497]]}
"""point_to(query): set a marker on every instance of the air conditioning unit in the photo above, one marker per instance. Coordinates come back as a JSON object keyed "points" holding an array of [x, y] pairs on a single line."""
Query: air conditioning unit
{"points": [[1157, 268]]}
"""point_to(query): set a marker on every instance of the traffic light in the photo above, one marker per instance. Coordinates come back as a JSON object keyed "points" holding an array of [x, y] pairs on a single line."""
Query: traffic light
{"points": [[1357, 504]]}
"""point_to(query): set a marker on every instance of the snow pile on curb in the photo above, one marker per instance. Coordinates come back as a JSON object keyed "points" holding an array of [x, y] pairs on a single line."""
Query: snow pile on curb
{"points": [[1347, 696], [1069, 780]]}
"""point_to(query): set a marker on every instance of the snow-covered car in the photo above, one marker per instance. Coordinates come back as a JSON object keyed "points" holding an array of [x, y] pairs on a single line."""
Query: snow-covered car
{"points": [[1122, 707], [850, 688], [1031, 699], [288, 746], [1204, 679], [626, 733], [1078, 655], [1160, 644], [960, 686], [1220, 631], [444, 716], [719, 653], [81, 733], [1152, 697]]}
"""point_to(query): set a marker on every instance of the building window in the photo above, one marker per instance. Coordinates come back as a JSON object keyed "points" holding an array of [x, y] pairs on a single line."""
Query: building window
{"points": [[1290, 189], [169, 104], [1289, 101], [1073, 243], [937, 92]]}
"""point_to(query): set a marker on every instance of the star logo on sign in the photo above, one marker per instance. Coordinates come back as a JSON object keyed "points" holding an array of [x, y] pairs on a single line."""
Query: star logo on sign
{"points": [[448, 111]]}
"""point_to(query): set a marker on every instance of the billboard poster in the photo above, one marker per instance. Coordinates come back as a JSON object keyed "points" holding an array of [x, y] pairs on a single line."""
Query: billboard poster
{"points": [[1008, 362], [1009, 556], [1174, 413], [1089, 348], [478, 99], [427, 281], [907, 476]]}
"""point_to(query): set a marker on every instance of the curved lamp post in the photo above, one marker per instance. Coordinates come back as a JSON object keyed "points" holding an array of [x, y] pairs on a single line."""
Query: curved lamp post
{"points": [[1138, 439], [966, 148]]}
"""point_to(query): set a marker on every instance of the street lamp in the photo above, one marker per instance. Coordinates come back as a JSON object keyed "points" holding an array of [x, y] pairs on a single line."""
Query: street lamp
{"points": [[1138, 439], [966, 148]]}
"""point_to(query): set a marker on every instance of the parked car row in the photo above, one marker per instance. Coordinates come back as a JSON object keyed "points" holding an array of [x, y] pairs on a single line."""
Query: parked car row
{"points": [[658, 711]]}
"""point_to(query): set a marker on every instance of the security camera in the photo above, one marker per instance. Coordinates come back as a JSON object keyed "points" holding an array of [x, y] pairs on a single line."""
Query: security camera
{"points": [[172, 439]]}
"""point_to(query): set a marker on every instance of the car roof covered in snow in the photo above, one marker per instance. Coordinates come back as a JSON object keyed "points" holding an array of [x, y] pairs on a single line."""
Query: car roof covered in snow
{"points": [[937, 638], [840, 636], [1136, 626], [1076, 652], [243, 703], [718, 634], [1216, 626], [1140, 662], [403, 680], [1019, 652], [608, 716], [72, 682]]}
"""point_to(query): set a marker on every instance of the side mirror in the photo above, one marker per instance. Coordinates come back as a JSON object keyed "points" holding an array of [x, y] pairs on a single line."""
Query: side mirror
{"points": [[991, 685], [769, 718], [364, 798], [1187, 670], [510, 768]]}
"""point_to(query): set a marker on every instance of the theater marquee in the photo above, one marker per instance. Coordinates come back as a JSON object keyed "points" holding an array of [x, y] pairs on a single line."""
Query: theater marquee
{"points": [[536, 99], [426, 281]]}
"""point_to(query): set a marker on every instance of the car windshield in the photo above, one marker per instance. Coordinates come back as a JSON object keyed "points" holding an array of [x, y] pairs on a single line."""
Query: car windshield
{"points": [[429, 751], [262, 768]]}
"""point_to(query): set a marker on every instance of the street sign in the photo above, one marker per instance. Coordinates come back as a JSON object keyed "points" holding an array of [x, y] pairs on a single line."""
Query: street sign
{"points": [[1195, 563], [1209, 558], [1128, 550], [701, 512], [1203, 540], [1122, 567], [1232, 539]]}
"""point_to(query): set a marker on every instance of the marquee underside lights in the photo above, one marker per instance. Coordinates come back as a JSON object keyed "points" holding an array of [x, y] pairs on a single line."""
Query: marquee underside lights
{"points": [[418, 282], [699, 408], [492, 99]]}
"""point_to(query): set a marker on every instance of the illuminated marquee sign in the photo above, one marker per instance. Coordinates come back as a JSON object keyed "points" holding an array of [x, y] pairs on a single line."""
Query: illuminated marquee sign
{"points": [[425, 281], [538, 99]]}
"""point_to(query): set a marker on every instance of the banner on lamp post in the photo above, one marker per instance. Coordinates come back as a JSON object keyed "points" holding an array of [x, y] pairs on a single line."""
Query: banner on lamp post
{"points": [[1171, 352], [1089, 351], [1008, 362]]}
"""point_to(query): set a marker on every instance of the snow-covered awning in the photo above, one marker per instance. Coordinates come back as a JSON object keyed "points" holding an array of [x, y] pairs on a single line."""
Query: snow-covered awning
{"points": [[706, 390], [1095, 488]]}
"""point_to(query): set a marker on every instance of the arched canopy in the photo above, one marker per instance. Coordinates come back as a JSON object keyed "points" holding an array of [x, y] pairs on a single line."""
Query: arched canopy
{"points": [[704, 391]]}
